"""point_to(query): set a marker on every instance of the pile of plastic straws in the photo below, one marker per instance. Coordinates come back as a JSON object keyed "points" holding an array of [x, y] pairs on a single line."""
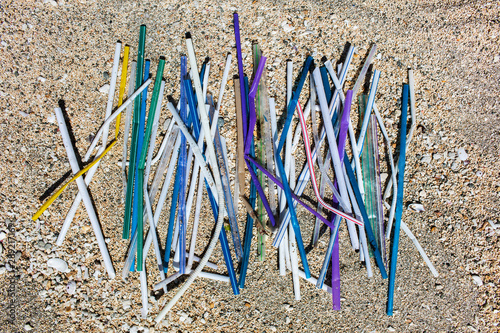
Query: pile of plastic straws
{"points": [[192, 160]]}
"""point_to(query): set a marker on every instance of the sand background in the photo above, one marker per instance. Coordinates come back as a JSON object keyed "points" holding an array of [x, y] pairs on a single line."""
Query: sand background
{"points": [[62, 50]]}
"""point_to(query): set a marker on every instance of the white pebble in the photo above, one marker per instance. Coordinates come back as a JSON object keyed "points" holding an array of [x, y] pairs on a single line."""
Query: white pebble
{"points": [[51, 118], [27, 327], [416, 207], [3, 235], [104, 89], [134, 329], [479, 173], [383, 176], [2, 270], [455, 166], [462, 155], [42, 79], [58, 264], [71, 287], [437, 156], [1, 250], [477, 280], [287, 27], [127, 305], [426, 159], [391, 329], [272, 328]]}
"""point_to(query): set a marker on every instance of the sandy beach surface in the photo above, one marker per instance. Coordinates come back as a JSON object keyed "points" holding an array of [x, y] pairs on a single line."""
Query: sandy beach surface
{"points": [[52, 51]]}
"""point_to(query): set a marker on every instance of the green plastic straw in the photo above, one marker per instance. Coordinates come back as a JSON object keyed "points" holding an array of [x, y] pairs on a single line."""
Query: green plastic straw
{"points": [[135, 132]]}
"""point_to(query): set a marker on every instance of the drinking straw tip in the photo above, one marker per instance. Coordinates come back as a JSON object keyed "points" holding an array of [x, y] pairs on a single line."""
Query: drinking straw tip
{"points": [[162, 58], [118, 42], [188, 35]]}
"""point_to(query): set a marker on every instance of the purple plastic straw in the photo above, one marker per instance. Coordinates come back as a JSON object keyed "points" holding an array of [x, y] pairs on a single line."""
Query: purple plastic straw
{"points": [[294, 196], [252, 119], [344, 124], [241, 74], [252, 115]]}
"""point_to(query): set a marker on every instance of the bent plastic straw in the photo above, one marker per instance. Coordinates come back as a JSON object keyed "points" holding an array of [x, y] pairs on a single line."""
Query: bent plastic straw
{"points": [[94, 143], [213, 159], [88, 178], [304, 175], [133, 144], [399, 206], [85, 194], [330, 135], [126, 132]]}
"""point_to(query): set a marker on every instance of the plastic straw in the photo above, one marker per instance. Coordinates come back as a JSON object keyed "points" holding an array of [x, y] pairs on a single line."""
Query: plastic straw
{"points": [[399, 206], [304, 175], [126, 131], [293, 248], [293, 103], [369, 231], [243, 99], [85, 194], [135, 129], [88, 178]]}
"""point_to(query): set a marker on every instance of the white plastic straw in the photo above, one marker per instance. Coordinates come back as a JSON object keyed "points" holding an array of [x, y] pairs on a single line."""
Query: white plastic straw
{"points": [[85, 194], [113, 117], [291, 242], [90, 174]]}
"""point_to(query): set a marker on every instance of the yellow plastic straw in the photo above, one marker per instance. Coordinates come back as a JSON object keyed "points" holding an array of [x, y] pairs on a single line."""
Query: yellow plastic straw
{"points": [[123, 82]]}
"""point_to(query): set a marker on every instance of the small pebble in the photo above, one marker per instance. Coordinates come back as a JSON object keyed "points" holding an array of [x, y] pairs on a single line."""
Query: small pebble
{"points": [[391, 329], [127, 305], [3, 235], [426, 159], [455, 166], [416, 207], [71, 287], [383, 176], [287, 27], [3, 270], [437, 156], [462, 155], [105, 75], [104, 89], [58, 264], [477, 280], [27, 327], [51, 118], [42, 79]]}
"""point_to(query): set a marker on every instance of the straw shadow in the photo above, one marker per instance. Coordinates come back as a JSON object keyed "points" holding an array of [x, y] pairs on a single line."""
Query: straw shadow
{"points": [[48, 192]]}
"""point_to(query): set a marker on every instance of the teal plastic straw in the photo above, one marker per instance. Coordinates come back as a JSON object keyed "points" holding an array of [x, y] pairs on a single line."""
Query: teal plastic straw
{"points": [[399, 204], [135, 128]]}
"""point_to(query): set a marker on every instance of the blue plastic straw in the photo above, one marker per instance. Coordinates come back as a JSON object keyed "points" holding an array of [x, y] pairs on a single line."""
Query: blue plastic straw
{"points": [[241, 74], [399, 205], [171, 222], [183, 172], [224, 244], [140, 141], [368, 228], [326, 84], [222, 236], [293, 104]]}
